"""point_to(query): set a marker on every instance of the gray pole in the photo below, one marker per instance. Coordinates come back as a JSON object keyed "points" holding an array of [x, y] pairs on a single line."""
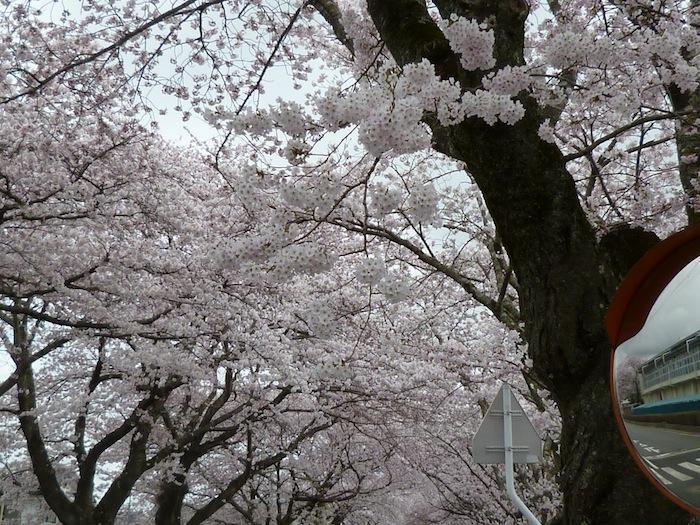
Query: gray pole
{"points": [[508, 445]]}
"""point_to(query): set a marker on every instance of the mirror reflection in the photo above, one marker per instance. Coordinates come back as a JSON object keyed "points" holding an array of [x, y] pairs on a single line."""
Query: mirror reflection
{"points": [[657, 381]]}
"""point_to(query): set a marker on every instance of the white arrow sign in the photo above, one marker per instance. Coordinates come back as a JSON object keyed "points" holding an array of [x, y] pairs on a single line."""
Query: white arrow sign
{"points": [[488, 446], [506, 435]]}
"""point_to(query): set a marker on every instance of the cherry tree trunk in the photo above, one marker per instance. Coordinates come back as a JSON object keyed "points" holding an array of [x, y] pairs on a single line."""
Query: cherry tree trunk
{"points": [[566, 282], [688, 146], [169, 502], [566, 276]]}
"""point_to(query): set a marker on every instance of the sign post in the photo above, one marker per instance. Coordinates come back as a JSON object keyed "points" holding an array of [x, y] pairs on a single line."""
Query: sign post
{"points": [[506, 435]]}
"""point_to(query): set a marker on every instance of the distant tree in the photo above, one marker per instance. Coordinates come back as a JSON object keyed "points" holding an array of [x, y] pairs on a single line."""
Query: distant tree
{"points": [[627, 382]]}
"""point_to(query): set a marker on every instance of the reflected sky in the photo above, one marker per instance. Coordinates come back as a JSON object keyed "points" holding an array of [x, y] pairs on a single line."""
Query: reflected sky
{"points": [[675, 314]]}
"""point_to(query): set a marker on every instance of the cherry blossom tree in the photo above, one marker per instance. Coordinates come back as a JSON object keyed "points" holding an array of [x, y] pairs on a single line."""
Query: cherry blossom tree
{"points": [[627, 382], [525, 153], [152, 378]]}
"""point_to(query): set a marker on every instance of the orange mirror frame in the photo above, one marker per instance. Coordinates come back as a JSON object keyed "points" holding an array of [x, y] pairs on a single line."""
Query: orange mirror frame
{"points": [[630, 308]]}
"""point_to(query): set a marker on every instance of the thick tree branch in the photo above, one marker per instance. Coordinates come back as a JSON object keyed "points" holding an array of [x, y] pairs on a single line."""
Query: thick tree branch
{"points": [[504, 311], [411, 35], [41, 462], [11, 381], [330, 11]]}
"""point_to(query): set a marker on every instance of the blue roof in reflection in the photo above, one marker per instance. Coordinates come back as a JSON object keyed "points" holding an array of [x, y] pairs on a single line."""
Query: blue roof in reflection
{"points": [[669, 406]]}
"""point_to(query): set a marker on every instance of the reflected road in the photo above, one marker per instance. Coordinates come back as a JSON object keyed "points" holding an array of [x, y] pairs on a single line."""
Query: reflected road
{"points": [[672, 456]]}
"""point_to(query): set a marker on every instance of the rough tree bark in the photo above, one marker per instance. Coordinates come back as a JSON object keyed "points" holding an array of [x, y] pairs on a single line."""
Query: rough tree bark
{"points": [[688, 144], [566, 277]]}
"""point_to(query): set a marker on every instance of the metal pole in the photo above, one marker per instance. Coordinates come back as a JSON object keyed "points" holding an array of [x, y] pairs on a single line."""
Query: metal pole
{"points": [[508, 444]]}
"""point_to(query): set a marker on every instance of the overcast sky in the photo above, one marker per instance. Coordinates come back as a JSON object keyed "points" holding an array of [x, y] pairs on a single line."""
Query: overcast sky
{"points": [[675, 314]]}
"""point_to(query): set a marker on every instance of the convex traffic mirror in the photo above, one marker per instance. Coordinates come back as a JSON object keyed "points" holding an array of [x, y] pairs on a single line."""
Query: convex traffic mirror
{"points": [[654, 327]]}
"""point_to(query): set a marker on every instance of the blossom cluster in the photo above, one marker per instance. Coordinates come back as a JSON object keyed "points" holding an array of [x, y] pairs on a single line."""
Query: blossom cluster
{"points": [[248, 249], [305, 258], [493, 107], [253, 122], [296, 194], [319, 319], [395, 125], [471, 40], [394, 289], [370, 271], [390, 116], [668, 48], [296, 151], [508, 80], [422, 203], [568, 48], [433, 94], [384, 198], [289, 117]]}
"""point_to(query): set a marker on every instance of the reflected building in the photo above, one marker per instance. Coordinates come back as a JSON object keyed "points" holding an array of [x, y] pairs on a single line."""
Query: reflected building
{"points": [[673, 373]]}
